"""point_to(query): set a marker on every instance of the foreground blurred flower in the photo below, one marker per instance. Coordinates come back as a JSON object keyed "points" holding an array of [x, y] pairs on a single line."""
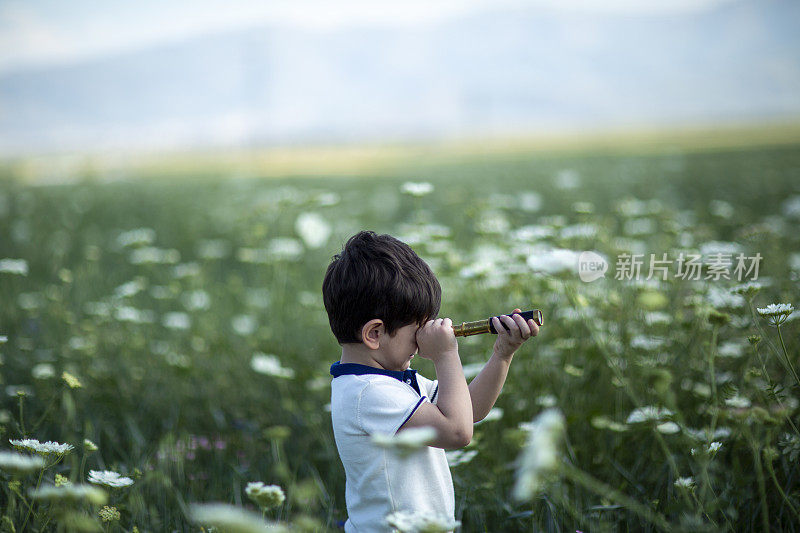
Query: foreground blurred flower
{"points": [[230, 519], [14, 266], [539, 458], [270, 365], [407, 441], [265, 496], [71, 381], [416, 189], [313, 229], [458, 457], [70, 494], [42, 448], [16, 463], [421, 522], [109, 478], [648, 413], [776, 314]]}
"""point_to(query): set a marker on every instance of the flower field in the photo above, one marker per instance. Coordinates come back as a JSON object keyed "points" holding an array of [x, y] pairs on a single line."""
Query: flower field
{"points": [[165, 350]]}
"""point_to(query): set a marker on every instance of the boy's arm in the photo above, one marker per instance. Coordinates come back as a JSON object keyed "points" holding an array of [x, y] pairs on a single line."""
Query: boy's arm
{"points": [[452, 414], [486, 386]]}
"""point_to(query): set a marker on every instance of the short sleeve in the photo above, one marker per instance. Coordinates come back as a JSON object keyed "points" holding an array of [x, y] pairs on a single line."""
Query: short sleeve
{"points": [[385, 405], [429, 388]]}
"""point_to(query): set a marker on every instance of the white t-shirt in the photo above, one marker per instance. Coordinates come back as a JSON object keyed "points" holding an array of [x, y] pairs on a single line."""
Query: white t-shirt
{"points": [[378, 481]]}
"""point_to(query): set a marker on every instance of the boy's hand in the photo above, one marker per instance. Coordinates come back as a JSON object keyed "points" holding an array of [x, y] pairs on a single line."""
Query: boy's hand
{"points": [[436, 338], [509, 340]]}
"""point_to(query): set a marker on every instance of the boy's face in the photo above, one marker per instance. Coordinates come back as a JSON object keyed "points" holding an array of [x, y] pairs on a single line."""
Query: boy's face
{"points": [[399, 349]]}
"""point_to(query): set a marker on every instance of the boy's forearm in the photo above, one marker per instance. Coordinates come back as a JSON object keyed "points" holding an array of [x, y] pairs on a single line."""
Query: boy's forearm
{"points": [[454, 396], [486, 386]]}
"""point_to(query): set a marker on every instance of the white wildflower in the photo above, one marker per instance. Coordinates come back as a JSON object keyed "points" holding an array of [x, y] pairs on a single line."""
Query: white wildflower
{"points": [[270, 365], [422, 522], [648, 413], [14, 266], [546, 400], [406, 441], [195, 300], [231, 519], [213, 249], [416, 189], [130, 288], [737, 401], [243, 324], [131, 314], [539, 458], [495, 413], [18, 463], [265, 496], [151, 254], [457, 457], [285, 249], [186, 270], [553, 260], [177, 320], [714, 447], [313, 229], [109, 479], [776, 314], [138, 236], [43, 371], [685, 483], [568, 179], [42, 448], [668, 428], [70, 493]]}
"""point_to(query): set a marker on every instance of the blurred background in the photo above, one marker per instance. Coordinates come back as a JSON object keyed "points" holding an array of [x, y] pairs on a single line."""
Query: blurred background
{"points": [[118, 77], [176, 175]]}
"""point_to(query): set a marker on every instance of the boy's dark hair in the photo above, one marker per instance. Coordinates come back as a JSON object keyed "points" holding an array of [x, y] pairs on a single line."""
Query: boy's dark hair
{"points": [[378, 276]]}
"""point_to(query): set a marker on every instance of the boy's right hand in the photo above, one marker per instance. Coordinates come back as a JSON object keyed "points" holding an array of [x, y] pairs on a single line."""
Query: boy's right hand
{"points": [[436, 339]]}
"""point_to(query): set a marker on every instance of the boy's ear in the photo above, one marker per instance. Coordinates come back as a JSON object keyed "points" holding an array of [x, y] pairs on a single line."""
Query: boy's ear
{"points": [[372, 332]]}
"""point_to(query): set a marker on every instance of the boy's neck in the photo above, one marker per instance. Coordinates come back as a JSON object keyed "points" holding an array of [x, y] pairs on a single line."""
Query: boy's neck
{"points": [[358, 353]]}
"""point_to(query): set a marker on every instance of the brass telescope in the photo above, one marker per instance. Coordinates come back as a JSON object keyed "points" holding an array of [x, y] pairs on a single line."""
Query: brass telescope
{"points": [[485, 326]]}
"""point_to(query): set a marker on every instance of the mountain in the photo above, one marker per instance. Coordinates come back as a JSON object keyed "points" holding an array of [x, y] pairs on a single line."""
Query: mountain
{"points": [[497, 71]]}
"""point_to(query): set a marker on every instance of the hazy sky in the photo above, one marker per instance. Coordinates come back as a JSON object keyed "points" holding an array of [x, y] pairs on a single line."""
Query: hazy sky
{"points": [[54, 31]]}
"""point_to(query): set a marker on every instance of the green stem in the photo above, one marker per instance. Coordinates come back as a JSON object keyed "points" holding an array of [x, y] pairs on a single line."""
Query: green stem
{"points": [[713, 376], [786, 355], [601, 489], [30, 507], [762, 491], [21, 417], [780, 490], [772, 388]]}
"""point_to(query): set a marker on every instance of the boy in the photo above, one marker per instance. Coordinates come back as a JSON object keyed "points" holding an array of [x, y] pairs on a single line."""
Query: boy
{"points": [[382, 301]]}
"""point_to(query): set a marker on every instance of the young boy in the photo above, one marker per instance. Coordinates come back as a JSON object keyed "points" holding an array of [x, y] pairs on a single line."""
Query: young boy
{"points": [[382, 301]]}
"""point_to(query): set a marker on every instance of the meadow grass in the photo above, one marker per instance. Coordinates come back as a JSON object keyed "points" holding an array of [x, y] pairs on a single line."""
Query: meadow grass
{"points": [[187, 316]]}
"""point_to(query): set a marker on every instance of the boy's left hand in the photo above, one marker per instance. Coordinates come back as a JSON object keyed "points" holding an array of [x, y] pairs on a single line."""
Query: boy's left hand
{"points": [[519, 330]]}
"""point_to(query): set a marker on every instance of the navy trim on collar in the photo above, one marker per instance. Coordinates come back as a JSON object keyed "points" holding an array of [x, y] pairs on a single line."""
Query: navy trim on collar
{"points": [[406, 376]]}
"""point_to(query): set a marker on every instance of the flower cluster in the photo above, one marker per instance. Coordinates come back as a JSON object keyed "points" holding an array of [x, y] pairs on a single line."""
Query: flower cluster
{"points": [[109, 479], [407, 441], [70, 494], [540, 457], [42, 448], [421, 522], [265, 496], [776, 314], [17, 463]]}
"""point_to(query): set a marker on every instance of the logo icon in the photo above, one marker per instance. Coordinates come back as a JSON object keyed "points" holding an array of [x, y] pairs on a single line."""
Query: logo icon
{"points": [[591, 266]]}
